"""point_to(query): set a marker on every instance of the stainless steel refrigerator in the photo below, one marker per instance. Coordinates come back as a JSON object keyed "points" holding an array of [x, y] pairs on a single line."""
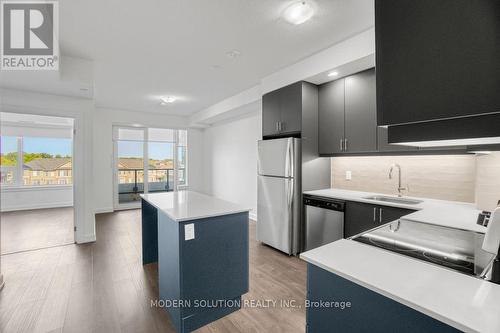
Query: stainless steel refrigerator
{"points": [[279, 194]]}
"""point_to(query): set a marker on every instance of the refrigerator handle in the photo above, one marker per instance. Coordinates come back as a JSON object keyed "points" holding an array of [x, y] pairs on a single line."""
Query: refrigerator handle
{"points": [[289, 202], [289, 160]]}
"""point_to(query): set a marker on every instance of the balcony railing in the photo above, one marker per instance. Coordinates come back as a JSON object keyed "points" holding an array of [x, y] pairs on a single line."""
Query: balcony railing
{"points": [[131, 182]]}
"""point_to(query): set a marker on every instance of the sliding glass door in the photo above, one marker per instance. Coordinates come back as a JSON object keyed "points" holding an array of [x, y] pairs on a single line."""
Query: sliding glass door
{"points": [[129, 164], [148, 160]]}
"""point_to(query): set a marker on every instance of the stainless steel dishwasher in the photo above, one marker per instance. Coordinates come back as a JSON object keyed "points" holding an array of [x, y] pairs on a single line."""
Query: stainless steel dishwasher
{"points": [[324, 221]]}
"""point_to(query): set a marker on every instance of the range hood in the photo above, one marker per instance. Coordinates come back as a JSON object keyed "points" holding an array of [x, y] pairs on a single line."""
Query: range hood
{"points": [[438, 71], [466, 131]]}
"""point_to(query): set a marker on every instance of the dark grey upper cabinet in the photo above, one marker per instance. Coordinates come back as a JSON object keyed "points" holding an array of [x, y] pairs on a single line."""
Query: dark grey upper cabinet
{"points": [[384, 146], [331, 117], [271, 114], [347, 115], [291, 108], [360, 113], [282, 111], [436, 59]]}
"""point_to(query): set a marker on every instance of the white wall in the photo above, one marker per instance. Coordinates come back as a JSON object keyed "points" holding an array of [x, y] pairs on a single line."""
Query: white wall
{"points": [[230, 160], [36, 197]]}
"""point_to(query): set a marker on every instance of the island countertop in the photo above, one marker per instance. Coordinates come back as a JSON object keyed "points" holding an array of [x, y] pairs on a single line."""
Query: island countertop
{"points": [[190, 205], [464, 302]]}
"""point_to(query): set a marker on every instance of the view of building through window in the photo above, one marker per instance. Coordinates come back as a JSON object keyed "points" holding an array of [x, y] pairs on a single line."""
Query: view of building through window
{"points": [[160, 146], [34, 161]]}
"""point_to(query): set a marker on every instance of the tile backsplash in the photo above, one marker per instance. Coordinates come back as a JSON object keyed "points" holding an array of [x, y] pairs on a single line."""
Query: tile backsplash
{"points": [[488, 181], [448, 177]]}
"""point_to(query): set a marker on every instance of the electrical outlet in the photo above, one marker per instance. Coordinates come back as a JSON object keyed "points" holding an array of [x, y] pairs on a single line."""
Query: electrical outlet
{"points": [[348, 175], [189, 231]]}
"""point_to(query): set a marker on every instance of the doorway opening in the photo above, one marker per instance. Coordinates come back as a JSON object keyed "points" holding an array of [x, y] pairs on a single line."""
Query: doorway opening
{"points": [[147, 160], [36, 182]]}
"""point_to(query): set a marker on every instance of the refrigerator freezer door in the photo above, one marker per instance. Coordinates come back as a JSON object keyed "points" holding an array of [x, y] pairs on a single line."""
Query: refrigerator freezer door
{"points": [[275, 216], [277, 157]]}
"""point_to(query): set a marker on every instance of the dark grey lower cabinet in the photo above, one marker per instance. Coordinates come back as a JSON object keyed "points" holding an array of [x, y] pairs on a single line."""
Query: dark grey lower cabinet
{"points": [[360, 217], [367, 312]]}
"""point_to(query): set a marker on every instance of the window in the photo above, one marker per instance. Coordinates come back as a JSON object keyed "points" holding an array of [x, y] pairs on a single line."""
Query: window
{"points": [[34, 161], [149, 160], [182, 159], [8, 160]]}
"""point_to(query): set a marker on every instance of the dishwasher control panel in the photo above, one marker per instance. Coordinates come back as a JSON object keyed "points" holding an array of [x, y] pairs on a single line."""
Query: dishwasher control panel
{"points": [[326, 203]]}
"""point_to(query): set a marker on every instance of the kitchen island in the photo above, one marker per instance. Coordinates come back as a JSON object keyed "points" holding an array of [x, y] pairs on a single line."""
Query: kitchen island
{"points": [[201, 246], [389, 292]]}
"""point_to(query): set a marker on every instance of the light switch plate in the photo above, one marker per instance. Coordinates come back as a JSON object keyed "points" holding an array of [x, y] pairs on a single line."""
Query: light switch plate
{"points": [[348, 175], [189, 231]]}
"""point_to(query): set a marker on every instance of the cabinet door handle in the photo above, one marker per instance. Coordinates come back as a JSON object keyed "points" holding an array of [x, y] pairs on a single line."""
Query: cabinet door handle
{"points": [[345, 144], [380, 215], [341, 144], [277, 126], [374, 214]]}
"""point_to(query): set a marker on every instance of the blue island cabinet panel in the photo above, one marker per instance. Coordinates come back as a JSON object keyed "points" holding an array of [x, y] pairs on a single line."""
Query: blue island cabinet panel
{"points": [[369, 312], [202, 279], [149, 233]]}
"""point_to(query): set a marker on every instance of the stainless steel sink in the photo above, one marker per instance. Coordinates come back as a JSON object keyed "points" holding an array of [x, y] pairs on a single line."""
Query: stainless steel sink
{"points": [[383, 198]]}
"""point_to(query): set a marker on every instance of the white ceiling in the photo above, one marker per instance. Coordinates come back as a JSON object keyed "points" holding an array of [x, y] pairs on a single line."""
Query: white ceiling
{"points": [[142, 50]]}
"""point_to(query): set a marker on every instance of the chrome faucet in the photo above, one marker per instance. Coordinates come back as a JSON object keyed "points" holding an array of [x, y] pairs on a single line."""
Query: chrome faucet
{"points": [[400, 188]]}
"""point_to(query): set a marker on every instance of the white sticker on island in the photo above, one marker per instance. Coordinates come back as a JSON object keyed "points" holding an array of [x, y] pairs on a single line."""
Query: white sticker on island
{"points": [[189, 231]]}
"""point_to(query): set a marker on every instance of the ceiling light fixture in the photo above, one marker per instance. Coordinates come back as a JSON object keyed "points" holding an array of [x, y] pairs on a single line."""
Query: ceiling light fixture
{"points": [[334, 73], [167, 100], [233, 54], [298, 12]]}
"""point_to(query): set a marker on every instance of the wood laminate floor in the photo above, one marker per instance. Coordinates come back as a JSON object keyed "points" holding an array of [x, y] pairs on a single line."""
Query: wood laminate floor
{"points": [[35, 229], [103, 287]]}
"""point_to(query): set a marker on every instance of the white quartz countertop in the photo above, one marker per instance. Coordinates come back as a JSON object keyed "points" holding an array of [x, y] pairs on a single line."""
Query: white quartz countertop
{"points": [[464, 302], [452, 214], [189, 205]]}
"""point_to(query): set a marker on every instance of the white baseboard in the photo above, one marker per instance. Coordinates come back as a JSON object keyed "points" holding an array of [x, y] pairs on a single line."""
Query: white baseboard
{"points": [[36, 206], [103, 210]]}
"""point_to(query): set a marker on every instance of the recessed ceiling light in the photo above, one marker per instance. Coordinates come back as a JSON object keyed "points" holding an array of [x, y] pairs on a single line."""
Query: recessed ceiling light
{"points": [[167, 100], [233, 54], [298, 12], [334, 73]]}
